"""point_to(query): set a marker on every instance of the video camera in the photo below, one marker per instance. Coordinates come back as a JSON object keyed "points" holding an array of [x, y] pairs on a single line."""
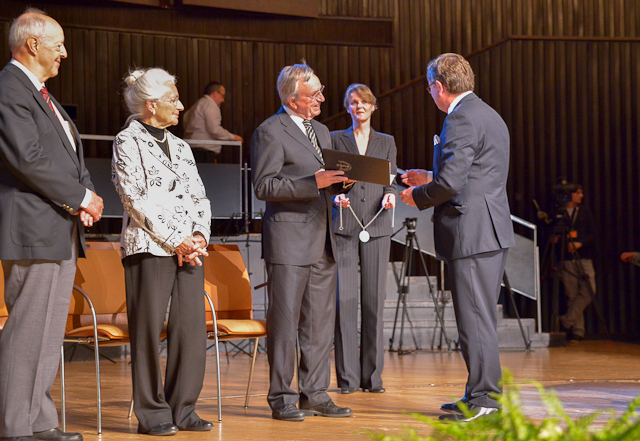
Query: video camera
{"points": [[562, 195]]}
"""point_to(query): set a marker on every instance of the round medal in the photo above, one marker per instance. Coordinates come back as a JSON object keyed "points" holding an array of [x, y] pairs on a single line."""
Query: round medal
{"points": [[364, 236]]}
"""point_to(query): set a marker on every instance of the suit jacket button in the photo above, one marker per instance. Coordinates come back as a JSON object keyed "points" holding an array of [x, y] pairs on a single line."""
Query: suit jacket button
{"points": [[362, 187], [362, 200]]}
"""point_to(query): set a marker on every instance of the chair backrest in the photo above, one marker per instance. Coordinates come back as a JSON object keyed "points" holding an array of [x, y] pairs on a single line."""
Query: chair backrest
{"points": [[101, 276], [4, 313], [227, 282]]}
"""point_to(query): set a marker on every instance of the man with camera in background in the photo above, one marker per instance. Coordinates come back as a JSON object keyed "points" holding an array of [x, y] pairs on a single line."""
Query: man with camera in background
{"points": [[576, 269]]}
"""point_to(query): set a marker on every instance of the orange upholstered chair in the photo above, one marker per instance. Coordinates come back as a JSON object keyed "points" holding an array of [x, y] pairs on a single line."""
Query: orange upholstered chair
{"points": [[98, 310], [228, 291], [4, 313]]}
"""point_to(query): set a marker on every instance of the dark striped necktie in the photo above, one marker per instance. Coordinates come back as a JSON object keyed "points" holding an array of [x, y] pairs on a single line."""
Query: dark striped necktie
{"points": [[311, 134]]}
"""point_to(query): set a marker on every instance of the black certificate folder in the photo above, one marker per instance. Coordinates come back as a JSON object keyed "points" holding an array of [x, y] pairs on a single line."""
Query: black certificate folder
{"points": [[358, 167]]}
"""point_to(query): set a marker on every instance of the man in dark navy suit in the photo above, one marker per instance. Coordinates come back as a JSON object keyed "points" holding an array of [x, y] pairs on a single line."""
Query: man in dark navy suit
{"points": [[46, 196], [472, 222]]}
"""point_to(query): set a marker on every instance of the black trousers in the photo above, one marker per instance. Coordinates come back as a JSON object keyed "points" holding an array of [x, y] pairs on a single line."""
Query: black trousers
{"points": [[150, 282]]}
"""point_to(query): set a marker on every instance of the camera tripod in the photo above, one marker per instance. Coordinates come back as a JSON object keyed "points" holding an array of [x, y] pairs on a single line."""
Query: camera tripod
{"points": [[403, 281], [553, 265]]}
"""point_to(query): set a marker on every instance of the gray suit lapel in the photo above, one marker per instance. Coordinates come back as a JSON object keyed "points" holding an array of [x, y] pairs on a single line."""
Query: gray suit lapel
{"points": [[374, 144], [350, 141], [294, 131]]}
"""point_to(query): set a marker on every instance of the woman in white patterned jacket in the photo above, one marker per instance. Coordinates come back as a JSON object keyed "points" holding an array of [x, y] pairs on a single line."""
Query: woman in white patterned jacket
{"points": [[165, 232]]}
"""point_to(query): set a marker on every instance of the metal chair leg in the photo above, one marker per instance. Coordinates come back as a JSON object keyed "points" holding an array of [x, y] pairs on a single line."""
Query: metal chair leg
{"points": [[253, 364], [62, 391], [97, 355], [217, 343], [130, 407]]}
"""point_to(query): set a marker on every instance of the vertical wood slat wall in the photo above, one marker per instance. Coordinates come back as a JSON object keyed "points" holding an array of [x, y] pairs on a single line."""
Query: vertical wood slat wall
{"points": [[571, 105]]}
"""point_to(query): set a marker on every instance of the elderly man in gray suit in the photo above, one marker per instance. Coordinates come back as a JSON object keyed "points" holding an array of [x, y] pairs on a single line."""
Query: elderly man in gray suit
{"points": [[472, 224], [297, 242], [46, 196]]}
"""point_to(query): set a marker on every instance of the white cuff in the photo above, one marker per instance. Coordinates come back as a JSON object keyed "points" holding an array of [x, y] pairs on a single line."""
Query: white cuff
{"points": [[87, 199]]}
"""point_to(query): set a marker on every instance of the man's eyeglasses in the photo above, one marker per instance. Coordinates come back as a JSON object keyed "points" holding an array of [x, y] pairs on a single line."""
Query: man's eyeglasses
{"points": [[316, 95], [429, 86]]}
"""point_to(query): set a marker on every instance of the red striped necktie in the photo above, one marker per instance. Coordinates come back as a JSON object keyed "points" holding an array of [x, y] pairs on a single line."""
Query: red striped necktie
{"points": [[47, 98]]}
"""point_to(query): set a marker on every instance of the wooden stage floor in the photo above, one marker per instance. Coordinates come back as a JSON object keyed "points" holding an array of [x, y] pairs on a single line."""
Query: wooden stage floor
{"points": [[587, 376]]}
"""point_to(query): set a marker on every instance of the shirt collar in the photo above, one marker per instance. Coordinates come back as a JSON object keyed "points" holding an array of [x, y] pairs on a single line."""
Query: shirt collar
{"points": [[455, 102], [36, 82], [295, 117]]}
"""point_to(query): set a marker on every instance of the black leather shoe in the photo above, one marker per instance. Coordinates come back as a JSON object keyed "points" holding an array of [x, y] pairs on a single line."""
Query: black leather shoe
{"points": [[57, 435], [476, 412], [453, 407], [164, 429], [375, 390], [17, 438], [348, 390], [199, 426], [288, 413], [328, 409]]}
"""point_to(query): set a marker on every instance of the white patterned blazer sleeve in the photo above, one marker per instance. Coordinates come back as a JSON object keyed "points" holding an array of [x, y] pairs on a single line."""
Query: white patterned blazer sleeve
{"points": [[164, 200]]}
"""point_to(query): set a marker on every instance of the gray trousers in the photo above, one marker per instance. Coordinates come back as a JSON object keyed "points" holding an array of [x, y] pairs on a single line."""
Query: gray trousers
{"points": [[150, 282], [360, 366], [302, 303], [37, 294], [475, 288], [577, 292]]}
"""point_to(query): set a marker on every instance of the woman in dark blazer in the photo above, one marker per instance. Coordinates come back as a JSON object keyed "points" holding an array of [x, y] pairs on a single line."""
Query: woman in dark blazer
{"points": [[362, 237]]}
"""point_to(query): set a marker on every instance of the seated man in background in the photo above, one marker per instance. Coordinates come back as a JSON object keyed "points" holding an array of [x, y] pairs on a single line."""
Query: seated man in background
{"points": [[204, 120]]}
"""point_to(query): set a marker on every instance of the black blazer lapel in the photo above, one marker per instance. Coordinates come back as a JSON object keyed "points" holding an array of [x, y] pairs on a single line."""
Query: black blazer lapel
{"points": [[37, 95]]}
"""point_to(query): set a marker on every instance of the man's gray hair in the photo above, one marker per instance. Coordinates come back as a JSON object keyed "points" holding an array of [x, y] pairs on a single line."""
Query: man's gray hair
{"points": [[32, 23], [453, 71], [289, 78], [145, 84]]}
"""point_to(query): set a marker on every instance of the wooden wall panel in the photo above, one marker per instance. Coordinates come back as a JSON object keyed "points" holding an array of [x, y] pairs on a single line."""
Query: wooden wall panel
{"points": [[578, 121]]}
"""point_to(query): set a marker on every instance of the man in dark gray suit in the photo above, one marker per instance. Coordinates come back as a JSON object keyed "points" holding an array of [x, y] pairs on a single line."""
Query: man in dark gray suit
{"points": [[297, 243], [472, 224], [46, 196]]}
